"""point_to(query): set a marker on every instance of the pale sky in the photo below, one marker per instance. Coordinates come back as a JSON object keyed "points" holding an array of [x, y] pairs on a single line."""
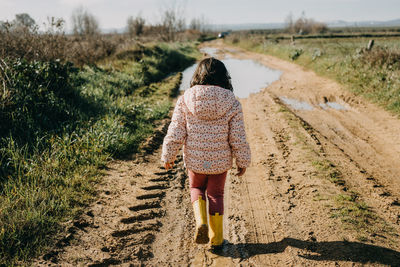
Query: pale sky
{"points": [[114, 13]]}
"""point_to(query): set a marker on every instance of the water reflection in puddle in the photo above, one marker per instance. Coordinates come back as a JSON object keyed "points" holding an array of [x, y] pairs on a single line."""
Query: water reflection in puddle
{"points": [[302, 105], [296, 104], [333, 105], [187, 76], [247, 75]]}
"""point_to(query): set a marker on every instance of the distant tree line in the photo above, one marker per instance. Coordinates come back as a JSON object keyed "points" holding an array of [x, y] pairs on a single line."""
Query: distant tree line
{"points": [[172, 24], [171, 27], [23, 38]]}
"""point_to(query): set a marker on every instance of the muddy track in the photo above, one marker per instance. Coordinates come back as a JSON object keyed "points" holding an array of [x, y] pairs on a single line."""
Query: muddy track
{"points": [[283, 212]]}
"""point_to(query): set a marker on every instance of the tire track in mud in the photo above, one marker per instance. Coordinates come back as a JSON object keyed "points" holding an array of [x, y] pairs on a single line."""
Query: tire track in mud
{"points": [[384, 204]]}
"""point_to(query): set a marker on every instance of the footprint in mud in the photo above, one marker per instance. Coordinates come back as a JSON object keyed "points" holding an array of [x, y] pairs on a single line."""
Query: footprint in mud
{"points": [[156, 187], [153, 195], [145, 206], [169, 172], [143, 217], [385, 194], [395, 202], [137, 229], [161, 179], [105, 262]]}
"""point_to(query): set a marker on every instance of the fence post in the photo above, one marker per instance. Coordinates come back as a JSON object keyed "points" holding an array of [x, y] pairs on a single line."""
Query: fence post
{"points": [[370, 45]]}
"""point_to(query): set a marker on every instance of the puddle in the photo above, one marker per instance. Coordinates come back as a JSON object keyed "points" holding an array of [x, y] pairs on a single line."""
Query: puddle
{"points": [[187, 76], [296, 104], [303, 105], [333, 105], [248, 76]]}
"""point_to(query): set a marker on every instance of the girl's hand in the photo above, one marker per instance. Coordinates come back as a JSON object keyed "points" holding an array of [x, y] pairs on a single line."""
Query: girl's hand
{"points": [[168, 165], [241, 171]]}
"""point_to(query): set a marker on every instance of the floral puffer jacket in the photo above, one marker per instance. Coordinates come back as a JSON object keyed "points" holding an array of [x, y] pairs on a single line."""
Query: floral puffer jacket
{"points": [[208, 121]]}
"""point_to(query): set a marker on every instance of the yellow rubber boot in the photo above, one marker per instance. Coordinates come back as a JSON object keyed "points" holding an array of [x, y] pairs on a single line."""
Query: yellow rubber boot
{"points": [[216, 230], [200, 215]]}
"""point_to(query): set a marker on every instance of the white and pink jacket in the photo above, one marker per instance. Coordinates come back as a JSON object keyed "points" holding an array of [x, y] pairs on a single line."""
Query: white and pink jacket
{"points": [[208, 121]]}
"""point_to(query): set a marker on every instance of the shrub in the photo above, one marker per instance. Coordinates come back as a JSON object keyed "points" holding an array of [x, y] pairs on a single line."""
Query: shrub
{"points": [[30, 44], [381, 57], [37, 98], [295, 54]]}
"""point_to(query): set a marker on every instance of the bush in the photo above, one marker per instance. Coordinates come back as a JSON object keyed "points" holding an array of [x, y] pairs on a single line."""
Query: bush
{"points": [[295, 54], [53, 44], [38, 98], [381, 57]]}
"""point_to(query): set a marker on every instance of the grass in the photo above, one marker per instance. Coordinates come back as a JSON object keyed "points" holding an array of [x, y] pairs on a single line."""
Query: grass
{"points": [[373, 74], [50, 164], [352, 211]]}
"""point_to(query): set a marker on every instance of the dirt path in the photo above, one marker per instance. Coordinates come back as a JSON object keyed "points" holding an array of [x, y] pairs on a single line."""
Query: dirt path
{"points": [[322, 190]]}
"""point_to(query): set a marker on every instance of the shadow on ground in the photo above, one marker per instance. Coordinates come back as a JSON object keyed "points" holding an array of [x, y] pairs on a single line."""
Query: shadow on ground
{"points": [[318, 251]]}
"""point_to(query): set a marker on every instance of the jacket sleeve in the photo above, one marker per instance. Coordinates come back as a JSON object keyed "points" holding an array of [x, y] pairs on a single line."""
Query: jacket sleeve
{"points": [[176, 134], [237, 138]]}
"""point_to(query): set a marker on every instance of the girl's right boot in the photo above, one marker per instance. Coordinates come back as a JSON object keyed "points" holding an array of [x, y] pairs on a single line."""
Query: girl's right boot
{"points": [[200, 215], [216, 231]]}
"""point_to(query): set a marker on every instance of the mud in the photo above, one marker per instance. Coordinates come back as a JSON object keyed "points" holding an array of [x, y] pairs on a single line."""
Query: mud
{"points": [[282, 211]]}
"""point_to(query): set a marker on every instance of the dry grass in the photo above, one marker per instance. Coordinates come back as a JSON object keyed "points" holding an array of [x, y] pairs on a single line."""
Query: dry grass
{"points": [[56, 45], [381, 57]]}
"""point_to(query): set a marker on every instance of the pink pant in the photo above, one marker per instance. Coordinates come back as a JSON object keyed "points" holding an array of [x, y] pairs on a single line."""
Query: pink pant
{"points": [[213, 184]]}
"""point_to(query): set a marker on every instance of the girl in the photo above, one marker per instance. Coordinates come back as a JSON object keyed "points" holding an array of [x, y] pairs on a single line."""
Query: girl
{"points": [[208, 121]]}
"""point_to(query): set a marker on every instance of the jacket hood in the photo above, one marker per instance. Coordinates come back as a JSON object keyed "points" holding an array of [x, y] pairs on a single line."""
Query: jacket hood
{"points": [[208, 102]]}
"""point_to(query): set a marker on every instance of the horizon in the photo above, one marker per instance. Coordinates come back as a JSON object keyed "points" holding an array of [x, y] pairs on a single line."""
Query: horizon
{"points": [[113, 15]]}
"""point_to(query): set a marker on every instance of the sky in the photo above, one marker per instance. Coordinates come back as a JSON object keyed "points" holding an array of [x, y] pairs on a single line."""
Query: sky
{"points": [[114, 13]]}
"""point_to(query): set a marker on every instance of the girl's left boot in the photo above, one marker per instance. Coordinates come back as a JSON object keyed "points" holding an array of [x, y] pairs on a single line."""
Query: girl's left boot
{"points": [[200, 215]]}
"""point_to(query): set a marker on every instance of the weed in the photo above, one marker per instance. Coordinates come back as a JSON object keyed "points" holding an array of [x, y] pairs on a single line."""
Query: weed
{"points": [[355, 214]]}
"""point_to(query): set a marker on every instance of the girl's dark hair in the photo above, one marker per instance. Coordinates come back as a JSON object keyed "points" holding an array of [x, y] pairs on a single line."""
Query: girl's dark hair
{"points": [[211, 71]]}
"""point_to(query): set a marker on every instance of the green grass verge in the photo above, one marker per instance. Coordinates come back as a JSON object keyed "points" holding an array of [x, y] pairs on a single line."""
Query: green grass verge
{"points": [[373, 74], [64, 125]]}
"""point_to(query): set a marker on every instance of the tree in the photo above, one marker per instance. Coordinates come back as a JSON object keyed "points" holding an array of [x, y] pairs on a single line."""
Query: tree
{"points": [[289, 22], [84, 23], [198, 24], [172, 22], [24, 20], [135, 25], [3, 26], [304, 25]]}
